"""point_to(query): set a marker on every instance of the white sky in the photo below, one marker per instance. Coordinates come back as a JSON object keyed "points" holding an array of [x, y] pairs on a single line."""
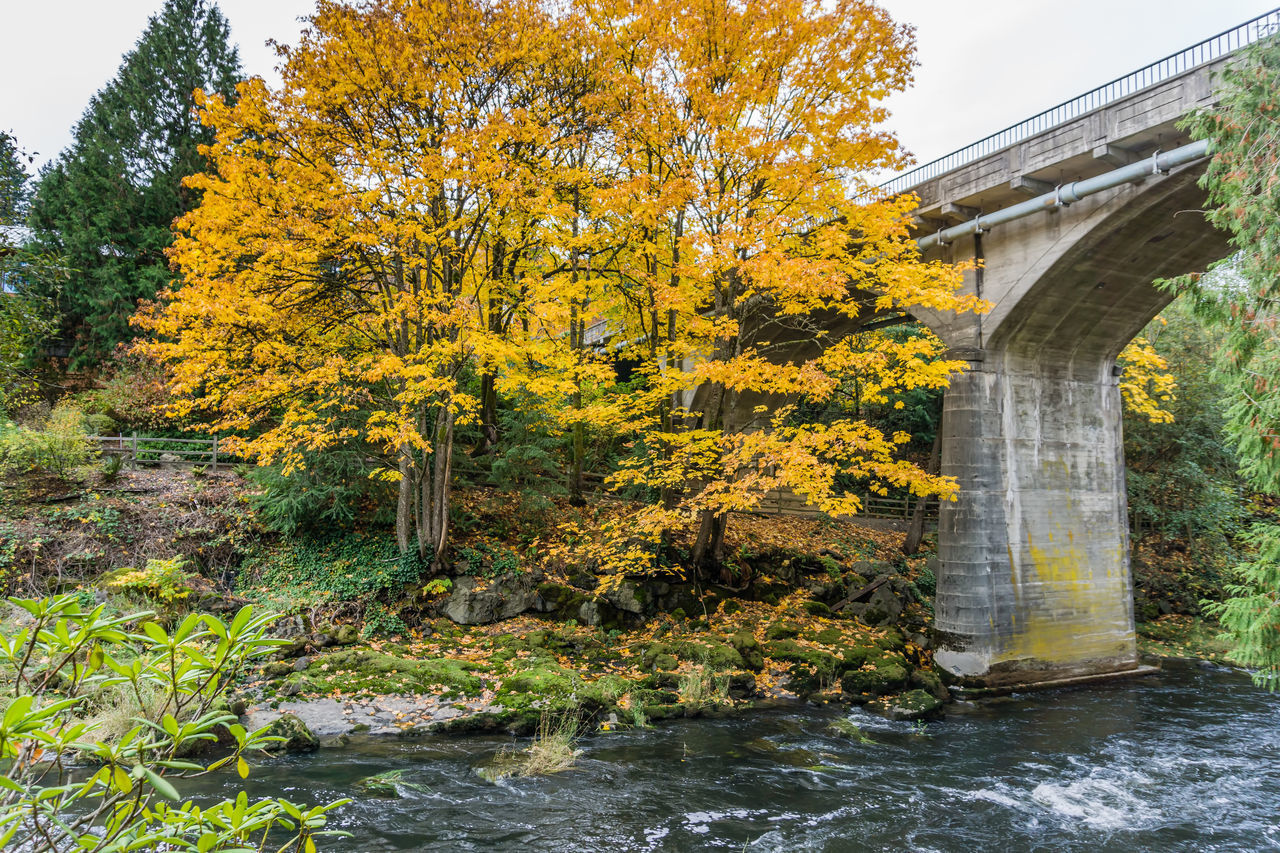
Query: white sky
{"points": [[983, 65]]}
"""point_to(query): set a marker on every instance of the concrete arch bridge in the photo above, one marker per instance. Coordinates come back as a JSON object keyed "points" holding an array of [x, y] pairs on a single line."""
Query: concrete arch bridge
{"points": [[1072, 214]]}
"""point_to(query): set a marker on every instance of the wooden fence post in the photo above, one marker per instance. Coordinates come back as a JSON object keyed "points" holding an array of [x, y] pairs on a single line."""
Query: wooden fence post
{"points": [[133, 453], [215, 454]]}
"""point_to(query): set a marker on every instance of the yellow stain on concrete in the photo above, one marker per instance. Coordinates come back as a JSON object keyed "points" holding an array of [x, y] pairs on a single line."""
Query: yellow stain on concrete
{"points": [[1081, 618]]}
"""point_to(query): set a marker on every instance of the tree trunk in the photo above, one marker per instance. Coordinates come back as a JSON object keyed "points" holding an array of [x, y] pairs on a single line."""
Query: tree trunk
{"points": [[488, 415], [915, 531], [433, 519], [404, 502], [708, 548]]}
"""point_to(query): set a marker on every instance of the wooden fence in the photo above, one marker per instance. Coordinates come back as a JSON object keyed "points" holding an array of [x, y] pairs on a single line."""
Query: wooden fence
{"points": [[873, 506], [150, 450], [138, 450]]}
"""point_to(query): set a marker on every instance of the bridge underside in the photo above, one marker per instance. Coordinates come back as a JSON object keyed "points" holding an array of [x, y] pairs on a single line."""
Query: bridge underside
{"points": [[1034, 581]]}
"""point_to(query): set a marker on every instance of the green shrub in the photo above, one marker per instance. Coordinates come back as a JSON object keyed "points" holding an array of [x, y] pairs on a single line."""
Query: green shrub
{"points": [[328, 492], [97, 424], [112, 464], [382, 621], [64, 660], [161, 581], [58, 447], [356, 570]]}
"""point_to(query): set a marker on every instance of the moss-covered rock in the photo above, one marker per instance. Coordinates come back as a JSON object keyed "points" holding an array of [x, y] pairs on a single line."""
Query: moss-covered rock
{"points": [[931, 683], [665, 662], [364, 670], [748, 647], [388, 785], [782, 630], [651, 654], [879, 675], [829, 636], [817, 608], [711, 651], [277, 669], [559, 600], [297, 737], [811, 669], [912, 705]]}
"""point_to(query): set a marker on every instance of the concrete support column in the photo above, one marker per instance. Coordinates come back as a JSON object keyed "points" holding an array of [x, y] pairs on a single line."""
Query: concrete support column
{"points": [[1034, 579]]}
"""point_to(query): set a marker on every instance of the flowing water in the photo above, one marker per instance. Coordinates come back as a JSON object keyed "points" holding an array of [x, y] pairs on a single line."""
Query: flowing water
{"points": [[1185, 760]]}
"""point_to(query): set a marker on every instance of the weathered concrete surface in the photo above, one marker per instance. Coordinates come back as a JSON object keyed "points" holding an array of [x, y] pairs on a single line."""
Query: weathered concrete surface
{"points": [[1034, 580]]}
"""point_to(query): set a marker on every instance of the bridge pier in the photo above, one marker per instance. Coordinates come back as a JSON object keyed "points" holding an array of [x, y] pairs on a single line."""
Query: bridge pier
{"points": [[1034, 580]]}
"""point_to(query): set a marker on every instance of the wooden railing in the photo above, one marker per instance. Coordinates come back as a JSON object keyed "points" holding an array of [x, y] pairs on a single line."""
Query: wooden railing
{"points": [[873, 506], [150, 450]]}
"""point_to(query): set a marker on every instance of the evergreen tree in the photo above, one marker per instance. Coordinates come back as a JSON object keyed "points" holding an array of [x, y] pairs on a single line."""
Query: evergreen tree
{"points": [[14, 183], [25, 319], [1243, 180], [106, 204]]}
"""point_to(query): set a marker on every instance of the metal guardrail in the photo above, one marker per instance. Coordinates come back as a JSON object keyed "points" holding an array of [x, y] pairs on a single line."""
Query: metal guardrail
{"points": [[1208, 50]]}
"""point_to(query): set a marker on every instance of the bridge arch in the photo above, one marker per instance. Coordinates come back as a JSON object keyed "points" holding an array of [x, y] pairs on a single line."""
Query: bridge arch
{"points": [[1034, 582]]}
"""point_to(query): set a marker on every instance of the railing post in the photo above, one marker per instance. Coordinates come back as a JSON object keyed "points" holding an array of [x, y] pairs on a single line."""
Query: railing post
{"points": [[133, 452], [215, 454]]}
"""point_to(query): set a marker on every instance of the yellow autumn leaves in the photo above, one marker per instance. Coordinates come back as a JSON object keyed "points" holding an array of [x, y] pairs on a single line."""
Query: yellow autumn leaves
{"points": [[441, 199]]}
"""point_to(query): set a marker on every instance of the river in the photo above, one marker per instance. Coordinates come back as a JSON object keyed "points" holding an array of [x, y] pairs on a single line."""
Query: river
{"points": [[1188, 759]]}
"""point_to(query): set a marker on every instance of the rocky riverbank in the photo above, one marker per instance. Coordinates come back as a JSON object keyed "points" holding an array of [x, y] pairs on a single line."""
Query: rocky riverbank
{"points": [[512, 674]]}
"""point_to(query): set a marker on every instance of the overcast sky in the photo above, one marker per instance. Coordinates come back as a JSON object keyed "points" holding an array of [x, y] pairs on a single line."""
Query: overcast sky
{"points": [[983, 65]]}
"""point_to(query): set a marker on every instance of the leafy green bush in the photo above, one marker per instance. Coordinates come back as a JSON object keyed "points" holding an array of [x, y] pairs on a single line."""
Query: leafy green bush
{"points": [[58, 447], [59, 663], [382, 621], [355, 571], [161, 581], [329, 492], [486, 561]]}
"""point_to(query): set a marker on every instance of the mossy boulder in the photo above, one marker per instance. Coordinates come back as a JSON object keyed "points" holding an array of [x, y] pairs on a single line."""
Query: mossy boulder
{"points": [[656, 651], [277, 669], [817, 608], [547, 685], [388, 785], [297, 737], [364, 670], [892, 640], [782, 630], [471, 604], [559, 600], [345, 635], [665, 662], [879, 675], [829, 636], [912, 705], [931, 683], [711, 651], [811, 669], [748, 647]]}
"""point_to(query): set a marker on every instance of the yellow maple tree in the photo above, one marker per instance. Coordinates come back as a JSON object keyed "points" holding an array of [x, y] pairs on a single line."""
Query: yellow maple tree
{"points": [[750, 245], [441, 198], [341, 271]]}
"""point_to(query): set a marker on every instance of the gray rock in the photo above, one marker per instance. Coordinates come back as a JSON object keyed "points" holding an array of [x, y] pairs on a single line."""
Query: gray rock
{"points": [[589, 613], [501, 599], [883, 607], [297, 737], [301, 664], [626, 598], [912, 705]]}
